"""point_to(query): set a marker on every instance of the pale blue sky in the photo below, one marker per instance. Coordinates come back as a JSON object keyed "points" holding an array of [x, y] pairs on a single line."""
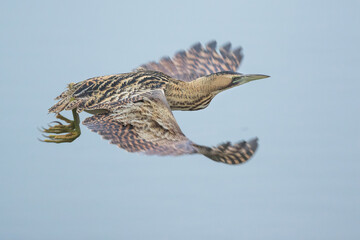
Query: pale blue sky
{"points": [[303, 183]]}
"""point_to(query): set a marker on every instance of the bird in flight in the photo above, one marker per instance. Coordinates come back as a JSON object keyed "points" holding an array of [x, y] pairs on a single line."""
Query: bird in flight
{"points": [[134, 110]]}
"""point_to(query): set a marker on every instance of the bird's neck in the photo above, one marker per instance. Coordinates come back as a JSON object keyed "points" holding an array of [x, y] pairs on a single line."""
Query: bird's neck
{"points": [[194, 95], [206, 85]]}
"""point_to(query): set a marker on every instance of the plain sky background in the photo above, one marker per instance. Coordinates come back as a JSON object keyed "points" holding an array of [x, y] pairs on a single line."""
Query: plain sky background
{"points": [[303, 183]]}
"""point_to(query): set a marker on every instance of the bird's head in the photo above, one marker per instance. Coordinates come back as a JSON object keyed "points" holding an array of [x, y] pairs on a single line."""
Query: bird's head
{"points": [[226, 80]]}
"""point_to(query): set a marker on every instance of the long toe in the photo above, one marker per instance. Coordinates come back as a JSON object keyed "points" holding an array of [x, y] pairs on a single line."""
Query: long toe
{"points": [[59, 116], [61, 138], [59, 129]]}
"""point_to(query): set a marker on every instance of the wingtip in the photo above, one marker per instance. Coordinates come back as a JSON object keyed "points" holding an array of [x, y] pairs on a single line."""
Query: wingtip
{"points": [[165, 59], [180, 53], [227, 46], [238, 53], [211, 45], [197, 47], [253, 143]]}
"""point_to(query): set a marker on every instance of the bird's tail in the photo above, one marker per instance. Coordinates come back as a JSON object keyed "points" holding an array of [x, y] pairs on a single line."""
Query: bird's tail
{"points": [[66, 100], [230, 153], [59, 106]]}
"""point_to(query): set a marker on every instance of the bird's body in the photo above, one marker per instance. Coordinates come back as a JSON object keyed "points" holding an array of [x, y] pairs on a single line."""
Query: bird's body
{"points": [[133, 110], [92, 93]]}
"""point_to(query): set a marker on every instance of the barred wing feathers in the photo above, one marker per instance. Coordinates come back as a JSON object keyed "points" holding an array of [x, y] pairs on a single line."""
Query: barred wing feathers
{"points": [[146, 124], [198, 61]]}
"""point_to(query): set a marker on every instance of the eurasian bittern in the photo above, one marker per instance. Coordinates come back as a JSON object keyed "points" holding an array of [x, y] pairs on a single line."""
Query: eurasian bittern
{"points": [[133, 110]]}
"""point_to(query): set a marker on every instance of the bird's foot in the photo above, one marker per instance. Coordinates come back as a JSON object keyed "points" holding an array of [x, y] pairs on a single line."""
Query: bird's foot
{"points": [[72, 130]]}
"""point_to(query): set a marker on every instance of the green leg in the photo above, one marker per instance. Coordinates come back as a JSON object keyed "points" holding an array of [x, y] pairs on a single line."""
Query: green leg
{"points": [[72, 129]]}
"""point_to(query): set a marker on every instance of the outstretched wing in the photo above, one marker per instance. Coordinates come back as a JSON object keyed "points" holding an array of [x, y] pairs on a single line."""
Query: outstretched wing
{"points": [[146, 124], [143, 125], [198, 61]]}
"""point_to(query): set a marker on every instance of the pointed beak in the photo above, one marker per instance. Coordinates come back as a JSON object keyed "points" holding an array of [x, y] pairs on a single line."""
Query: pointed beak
{"points": [[248, 78]]}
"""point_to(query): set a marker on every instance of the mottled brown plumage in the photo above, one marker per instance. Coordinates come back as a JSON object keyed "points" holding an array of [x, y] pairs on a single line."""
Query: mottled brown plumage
{"points": [[198, 61], [133, 110]]}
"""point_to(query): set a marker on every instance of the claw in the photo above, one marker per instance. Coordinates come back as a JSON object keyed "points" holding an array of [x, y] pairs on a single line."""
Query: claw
{"points": [[72, 130], [45, 136], [49, 126], [59, 123]]}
